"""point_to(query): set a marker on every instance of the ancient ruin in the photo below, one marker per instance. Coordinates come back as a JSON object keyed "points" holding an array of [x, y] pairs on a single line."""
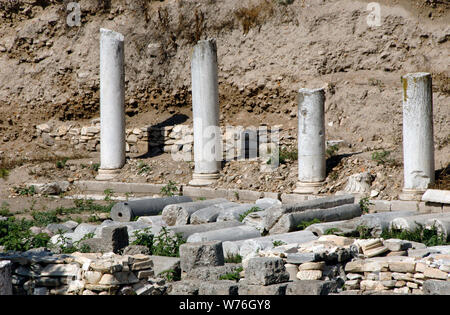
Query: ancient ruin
{"points": [[190, 199]]}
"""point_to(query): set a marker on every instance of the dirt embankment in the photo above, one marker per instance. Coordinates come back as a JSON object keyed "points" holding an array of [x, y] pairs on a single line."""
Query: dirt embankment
{"points": [[267, 50]]}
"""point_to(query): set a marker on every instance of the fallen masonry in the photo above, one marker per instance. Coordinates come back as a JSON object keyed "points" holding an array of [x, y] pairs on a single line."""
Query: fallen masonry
{"points": [[233, 256]]}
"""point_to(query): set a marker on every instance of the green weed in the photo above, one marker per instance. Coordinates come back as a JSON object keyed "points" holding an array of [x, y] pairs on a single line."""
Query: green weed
{"points": [[246, 213], [233, 258], [170, 189], [232, 275], [304, 224]]}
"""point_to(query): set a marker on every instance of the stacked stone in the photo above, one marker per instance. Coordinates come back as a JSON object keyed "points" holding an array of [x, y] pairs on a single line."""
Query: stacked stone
{"points": [[176, 139], [264, 275], [321, 259], [202, 266], [397, 274], [83, 274]]}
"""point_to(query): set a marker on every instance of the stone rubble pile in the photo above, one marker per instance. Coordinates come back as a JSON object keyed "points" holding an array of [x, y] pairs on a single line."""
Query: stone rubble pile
{"points": [[295, 262], [44, 273], [401, 267]]}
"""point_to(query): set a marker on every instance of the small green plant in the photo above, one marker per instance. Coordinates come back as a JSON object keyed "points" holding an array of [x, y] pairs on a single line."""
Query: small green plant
{"points": [[25, 191], [93, 218], [44, 218], [163, 244], [144, 238], [246, 213], [232, 275], [304, 224], [65, 246], [278, 243], [143, 168], [429, 237], [364, 203], [4, 210], [201, 198], [382, 157], [364, 231], [95, 167], [233, 259], [62, 163], [285, 154], [332, 231], [332, 150], [170, 275], [108, 194], [4, 173], [16, 235], [170, 189]]}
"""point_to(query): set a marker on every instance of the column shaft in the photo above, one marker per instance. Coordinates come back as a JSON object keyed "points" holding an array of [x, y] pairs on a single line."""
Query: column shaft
{"points": [[418, 144]]}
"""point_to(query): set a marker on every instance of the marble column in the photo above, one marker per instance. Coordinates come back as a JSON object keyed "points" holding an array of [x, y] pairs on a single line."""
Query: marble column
{"points": [[418, 144], [311, 141], [112, 104], [205, 105]]}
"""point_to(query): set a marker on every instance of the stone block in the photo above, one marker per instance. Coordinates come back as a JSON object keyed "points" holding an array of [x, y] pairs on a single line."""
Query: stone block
{"points": [[371, 285], [204, 192], [60, 270], [184, 287], [400, 205], [430, 207], [300, 258], [218, 287], [162, 263], [201, 254], [249, 195], [436, 287], [402, 266], [116, 237], [312, 266], [210, 273], [436, 196], [309, 275], [380, 205], [252, 289], [266, 271], [312, 287], [435, 273], [366, 266]]}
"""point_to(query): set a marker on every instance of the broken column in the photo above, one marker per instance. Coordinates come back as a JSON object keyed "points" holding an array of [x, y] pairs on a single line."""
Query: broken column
{"points": [[205, 107], [311, 141], [418, 145], [112, 100], [127, 211]]}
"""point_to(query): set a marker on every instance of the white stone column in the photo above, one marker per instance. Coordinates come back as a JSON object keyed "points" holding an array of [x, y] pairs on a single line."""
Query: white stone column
{"points": [[112, 104], [311, 141], [205, 106], [418, 144]]}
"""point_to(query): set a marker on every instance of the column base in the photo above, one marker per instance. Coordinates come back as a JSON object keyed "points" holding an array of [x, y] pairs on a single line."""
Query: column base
{"points": [[308, 188], [104, 175], [203, 179], [411, 194]]}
